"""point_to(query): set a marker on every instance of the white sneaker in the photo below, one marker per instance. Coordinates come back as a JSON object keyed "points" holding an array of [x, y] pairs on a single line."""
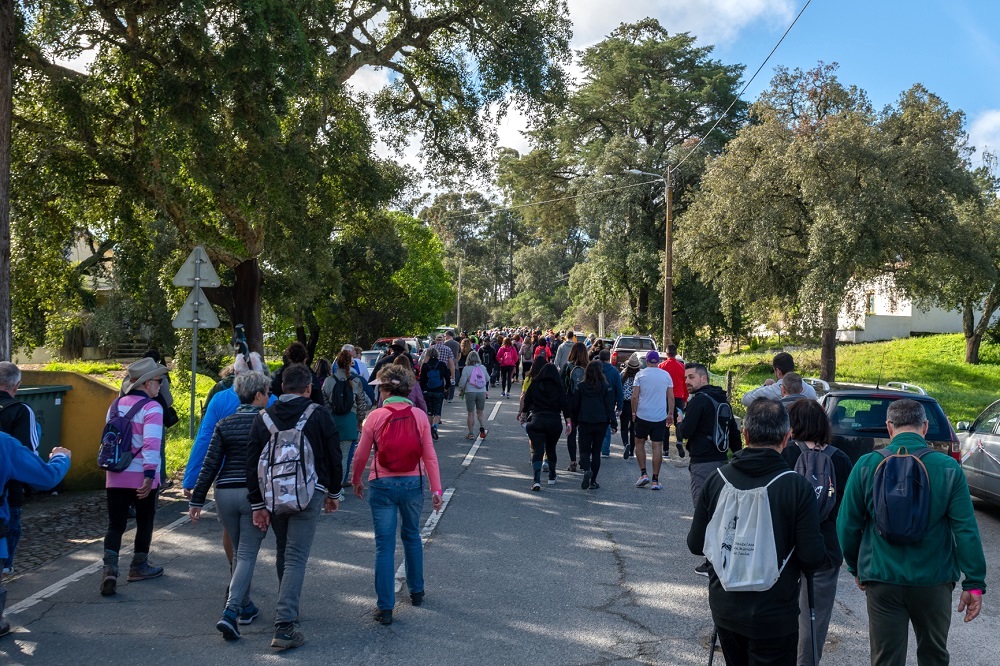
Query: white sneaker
{"points": [[8, 571], [552, 482]]}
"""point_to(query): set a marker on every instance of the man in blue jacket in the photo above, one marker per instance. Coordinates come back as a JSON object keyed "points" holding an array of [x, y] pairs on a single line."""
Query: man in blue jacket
{"points": [[18, 463], [615, 382]]}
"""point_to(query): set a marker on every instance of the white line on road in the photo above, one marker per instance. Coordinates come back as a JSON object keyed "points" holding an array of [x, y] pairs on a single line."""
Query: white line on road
{"points": [[425, 534], [59, 586], [496, 409], [471, 455]]}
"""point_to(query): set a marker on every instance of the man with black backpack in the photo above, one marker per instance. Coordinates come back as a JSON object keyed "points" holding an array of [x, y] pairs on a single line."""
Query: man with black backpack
{"points": [[908, 530], [710, 431], [293, 508], [758, 542]]}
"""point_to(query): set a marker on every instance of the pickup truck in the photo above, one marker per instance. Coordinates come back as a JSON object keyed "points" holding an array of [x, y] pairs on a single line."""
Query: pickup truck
{"points": [[626, 345]]}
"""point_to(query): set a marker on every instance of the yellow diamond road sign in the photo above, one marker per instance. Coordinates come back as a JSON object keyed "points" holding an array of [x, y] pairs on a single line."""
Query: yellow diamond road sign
{"points": [[196, 303]]}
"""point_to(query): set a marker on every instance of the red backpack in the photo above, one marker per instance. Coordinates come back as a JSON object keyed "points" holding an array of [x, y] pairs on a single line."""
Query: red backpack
{"points": [[398, 447]]}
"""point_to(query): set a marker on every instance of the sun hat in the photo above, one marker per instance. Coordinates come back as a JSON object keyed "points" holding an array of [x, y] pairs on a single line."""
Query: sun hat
{"points": [[633, 361], [652, 357], [141, 372], [399, 343]]}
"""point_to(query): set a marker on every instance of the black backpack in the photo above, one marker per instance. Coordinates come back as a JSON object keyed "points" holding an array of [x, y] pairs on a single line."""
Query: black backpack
{"points": [[116, 453], [341, 397], [720, 426], [817, 468], [901, 495]]}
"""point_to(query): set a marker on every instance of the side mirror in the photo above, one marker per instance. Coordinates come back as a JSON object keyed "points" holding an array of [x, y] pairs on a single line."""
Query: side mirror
{"points": [[963, 426]]}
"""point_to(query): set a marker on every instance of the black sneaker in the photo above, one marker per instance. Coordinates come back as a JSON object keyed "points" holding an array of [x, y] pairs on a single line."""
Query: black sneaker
{"points": [[416, 598], [4, 627], [594, 485], [229, 625], [703, 568], [287, 636], [586, 479], [680, 450], [383, 616]]}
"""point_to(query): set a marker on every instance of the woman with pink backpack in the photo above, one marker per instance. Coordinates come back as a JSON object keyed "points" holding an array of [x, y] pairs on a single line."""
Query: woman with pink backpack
{"points": [[507, 358], [473, 385]]}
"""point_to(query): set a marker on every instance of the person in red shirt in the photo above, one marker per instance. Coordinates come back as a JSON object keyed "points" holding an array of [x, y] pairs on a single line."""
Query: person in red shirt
{"points": [[676, 370]]}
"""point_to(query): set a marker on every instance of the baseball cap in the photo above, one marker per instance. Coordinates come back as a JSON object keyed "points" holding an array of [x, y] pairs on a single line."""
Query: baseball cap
{"points": [[652, 357]]}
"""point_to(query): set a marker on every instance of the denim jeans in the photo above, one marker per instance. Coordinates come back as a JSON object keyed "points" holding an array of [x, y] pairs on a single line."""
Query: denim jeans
{"points": [[294, 534], [13, 534], [349, 450], [236, 516], [389, 496]]}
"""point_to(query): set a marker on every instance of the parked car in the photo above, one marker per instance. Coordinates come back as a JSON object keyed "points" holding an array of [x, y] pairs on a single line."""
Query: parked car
{"points": [[980, 446], [371, 357], [626, 345], [415, 346], [858, 416]]}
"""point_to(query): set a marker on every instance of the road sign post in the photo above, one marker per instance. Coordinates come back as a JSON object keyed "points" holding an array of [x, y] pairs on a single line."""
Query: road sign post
{"points": [[196, 312]]}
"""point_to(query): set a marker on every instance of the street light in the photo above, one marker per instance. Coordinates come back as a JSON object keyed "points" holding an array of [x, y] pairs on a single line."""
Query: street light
{"points": [[668, 268]]}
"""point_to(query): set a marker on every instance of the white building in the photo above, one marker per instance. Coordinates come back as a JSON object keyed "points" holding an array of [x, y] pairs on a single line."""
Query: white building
{"points": [[877, 311]]}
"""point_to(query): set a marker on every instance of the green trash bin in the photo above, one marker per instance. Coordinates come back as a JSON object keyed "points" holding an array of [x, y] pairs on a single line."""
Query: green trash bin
{"points": [[46, 402]]}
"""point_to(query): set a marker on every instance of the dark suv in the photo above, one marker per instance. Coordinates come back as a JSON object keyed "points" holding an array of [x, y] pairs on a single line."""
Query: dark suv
{"points": [[858, 418]]}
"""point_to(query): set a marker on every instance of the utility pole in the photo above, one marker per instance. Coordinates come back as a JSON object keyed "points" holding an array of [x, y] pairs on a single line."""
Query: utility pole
{"points": [[7, 27], [458, 304], [668, 264]]}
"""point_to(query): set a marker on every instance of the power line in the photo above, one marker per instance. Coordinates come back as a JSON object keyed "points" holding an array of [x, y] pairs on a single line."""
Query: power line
{"points": [[745, 86]]}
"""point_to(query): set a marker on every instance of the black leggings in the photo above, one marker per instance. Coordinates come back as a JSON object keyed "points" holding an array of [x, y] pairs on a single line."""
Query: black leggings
{"points": [[591, 439], [505, 378], [119, 500], [544, 429], [571, 444], [525, 367], [627, 425]]}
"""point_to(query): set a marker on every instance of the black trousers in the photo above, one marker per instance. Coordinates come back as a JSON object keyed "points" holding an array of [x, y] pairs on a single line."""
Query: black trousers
{"points": [[543, 430], [627, 425], [119, 500], [505, 377], [571, 443], [591, 438], [742, 650]]}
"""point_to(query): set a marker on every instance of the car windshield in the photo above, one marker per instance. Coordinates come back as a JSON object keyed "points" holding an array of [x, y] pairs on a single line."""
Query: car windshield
{"points": [[370, 358], [635, 343], [864, 414]]}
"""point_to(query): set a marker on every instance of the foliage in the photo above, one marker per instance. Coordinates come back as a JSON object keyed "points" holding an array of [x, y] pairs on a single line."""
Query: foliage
{"points": [[933, 362], [178, 442], [820, 191]]}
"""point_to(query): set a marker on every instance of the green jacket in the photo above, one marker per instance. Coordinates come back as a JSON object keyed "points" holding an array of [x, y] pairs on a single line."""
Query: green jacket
{"points": [[950, 547]]}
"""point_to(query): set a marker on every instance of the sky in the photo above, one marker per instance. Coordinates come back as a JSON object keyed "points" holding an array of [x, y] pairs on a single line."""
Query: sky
{"points": [[884, 47]]}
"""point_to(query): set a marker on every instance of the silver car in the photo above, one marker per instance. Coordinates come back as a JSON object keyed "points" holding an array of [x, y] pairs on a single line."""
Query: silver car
{"points": [[980, 441]]}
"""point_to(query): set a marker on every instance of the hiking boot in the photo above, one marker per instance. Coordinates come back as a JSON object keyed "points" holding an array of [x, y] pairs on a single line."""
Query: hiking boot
{"points": [[109, 581], [703, 568], [229, 625], [287, 636], [643, 481], [416, 598], [383, 616], [680, 450], [249, 613], [143, 571], [587, 474]]}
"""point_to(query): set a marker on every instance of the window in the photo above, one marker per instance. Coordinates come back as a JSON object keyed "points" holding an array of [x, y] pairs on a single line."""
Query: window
{"points": [[987, 421]]}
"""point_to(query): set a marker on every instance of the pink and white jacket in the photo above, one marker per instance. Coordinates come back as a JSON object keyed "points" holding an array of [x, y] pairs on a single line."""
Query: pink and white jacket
{"points": [[147, 431], [507, 355]]}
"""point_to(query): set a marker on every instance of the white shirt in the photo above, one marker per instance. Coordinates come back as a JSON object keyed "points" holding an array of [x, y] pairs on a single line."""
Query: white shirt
{"points": [[653, 384]]}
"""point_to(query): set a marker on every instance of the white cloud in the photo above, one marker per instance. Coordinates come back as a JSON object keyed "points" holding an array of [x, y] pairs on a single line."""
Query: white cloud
{"points": [[369, 79], [711, 21], [984, 132], [511, 131]]}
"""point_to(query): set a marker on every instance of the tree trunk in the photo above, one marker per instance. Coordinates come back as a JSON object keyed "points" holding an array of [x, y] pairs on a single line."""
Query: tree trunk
{"points": [[828, 355], [973, 331], [313, 339], [242, 302], [642, 311], [6, 113], [972, 348]]}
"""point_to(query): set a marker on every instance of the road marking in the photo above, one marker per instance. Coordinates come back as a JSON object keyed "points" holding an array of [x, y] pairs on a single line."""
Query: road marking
{"points": [[59, 586], [496, 409], [471, 455], [425, 534]]}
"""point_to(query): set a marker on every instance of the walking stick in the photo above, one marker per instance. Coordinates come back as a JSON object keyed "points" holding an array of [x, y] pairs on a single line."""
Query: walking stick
{"points": [[711, 648], [812, 618]]}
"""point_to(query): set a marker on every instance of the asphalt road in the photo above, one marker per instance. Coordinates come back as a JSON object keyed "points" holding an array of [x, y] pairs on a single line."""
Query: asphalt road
{"points": [[563, 576]]}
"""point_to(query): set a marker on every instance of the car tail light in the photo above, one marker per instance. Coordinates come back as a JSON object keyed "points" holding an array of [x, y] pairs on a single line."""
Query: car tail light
{"points": [[614, 358], [956, 448]]}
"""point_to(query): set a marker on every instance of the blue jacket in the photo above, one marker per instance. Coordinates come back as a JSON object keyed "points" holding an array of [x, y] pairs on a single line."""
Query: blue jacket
{"points": [[615, 381], [19, 463], [223, 404]]}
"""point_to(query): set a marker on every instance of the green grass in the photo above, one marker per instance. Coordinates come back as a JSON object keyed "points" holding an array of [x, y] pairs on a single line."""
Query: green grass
{"points": [[933, 362], [178, 442]]}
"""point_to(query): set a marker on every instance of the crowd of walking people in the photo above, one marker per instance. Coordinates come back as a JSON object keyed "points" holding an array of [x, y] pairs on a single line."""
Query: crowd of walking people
{"points": [[777, 510]]}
